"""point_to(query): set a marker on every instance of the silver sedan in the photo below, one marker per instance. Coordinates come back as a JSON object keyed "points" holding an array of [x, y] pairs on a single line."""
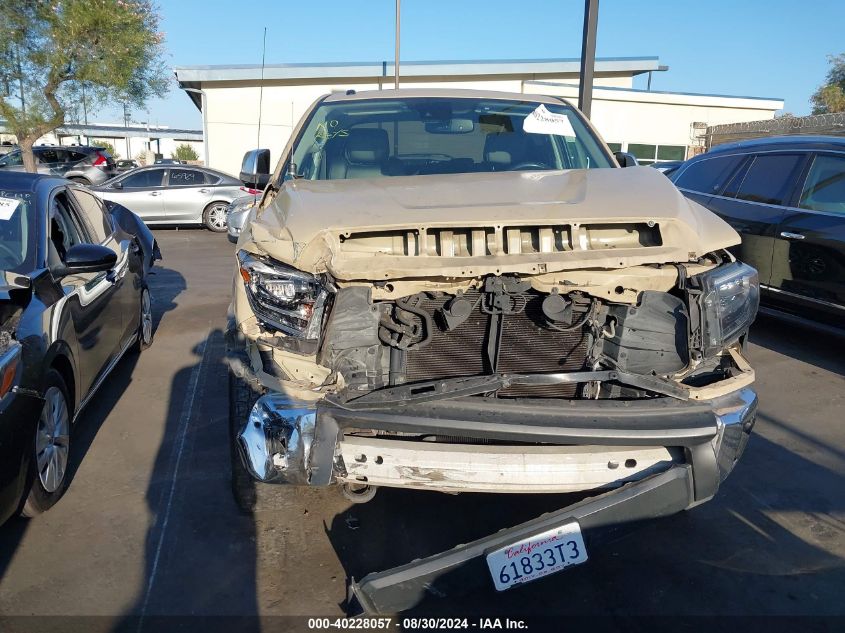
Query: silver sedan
{"points": [[168, 194]]}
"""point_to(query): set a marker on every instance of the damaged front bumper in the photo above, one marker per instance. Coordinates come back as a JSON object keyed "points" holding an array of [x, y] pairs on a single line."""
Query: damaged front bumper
{"points": [[710, 436], [516, 446], [682, 450]]}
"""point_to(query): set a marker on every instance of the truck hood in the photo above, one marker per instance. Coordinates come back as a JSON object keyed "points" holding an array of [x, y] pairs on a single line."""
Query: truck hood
{"points": [[465, 225]]}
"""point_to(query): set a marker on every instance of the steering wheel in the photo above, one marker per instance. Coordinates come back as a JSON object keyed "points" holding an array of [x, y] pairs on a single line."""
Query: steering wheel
{"points": [[528, 164]]}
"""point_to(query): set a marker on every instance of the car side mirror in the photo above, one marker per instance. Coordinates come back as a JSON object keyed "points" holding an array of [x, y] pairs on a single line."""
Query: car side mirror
{"points": [[86, 258], [255, 169], [625, 159], [117, 185]]}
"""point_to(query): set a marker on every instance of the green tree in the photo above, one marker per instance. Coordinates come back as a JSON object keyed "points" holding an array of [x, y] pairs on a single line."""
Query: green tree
{"points": [[830, 96], [106, 146], [184, 152], [60, 55]]}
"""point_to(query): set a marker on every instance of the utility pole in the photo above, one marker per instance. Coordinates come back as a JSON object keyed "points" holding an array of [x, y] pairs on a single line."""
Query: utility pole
{"points": [[396, 59], [126, 128], [84, 105], [588, 56]]}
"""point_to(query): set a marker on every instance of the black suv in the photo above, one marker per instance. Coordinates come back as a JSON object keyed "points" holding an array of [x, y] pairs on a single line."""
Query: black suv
{"points": [[79, 163], [786, 198]]}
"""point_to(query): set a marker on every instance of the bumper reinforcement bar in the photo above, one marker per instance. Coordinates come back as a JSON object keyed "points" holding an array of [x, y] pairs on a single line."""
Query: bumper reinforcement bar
{"points": [[458, 569]]}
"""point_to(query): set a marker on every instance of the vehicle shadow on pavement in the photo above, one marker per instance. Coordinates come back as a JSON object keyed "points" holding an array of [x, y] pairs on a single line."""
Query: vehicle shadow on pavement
{"points": [[801, 342], [98, 409], [765, 545], [190, 502]]}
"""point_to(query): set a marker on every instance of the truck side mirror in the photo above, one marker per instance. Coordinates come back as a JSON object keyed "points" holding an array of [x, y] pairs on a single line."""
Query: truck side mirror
{"points": [[255, 169], [625, 159]]}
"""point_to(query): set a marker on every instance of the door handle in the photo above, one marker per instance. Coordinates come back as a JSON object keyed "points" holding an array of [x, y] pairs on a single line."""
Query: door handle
{"points": [[204, 190], [155, 193], [791, 236]]}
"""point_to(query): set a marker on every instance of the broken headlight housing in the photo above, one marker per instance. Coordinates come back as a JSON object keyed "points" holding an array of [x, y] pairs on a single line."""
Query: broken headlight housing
{"points": [[728, 302], [283, 298]]}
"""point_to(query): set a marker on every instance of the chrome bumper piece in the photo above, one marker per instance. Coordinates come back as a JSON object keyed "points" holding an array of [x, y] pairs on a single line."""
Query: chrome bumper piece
{"points": [[278, 441], [275, 442]]}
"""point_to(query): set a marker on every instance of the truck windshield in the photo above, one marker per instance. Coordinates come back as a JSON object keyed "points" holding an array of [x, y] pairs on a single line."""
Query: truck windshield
{"points": [[372, 138], [16, 238]]}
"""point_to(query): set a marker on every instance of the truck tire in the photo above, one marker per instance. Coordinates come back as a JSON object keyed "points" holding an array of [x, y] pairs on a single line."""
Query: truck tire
{"points": [[250, 495]]}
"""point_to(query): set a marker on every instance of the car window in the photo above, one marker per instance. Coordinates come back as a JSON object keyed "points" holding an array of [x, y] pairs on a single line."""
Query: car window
{"points": [[708, 175], [770, 178], [64, 227], [94, 216], [74, 156], [186, 178], [211, 179], [13, 159], [16, 230], [824, 189], [47, 156], [143, 179], [373, 138]]}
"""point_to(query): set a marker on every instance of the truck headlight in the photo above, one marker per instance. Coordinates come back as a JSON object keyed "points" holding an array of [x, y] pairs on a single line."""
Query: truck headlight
{"points": [[730, 296], [282, 297]]}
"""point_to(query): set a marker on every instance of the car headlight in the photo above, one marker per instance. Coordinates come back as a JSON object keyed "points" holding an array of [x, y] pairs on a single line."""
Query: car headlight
{"points": [[730, 296], [282, 297]]}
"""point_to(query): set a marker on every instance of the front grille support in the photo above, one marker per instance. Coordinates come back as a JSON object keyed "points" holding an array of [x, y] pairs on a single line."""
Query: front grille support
{"points": [[506, 332]]}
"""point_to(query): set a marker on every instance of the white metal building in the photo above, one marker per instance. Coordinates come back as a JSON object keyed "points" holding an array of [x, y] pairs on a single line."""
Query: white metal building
{"points": [[129, 141], [652, 125]]}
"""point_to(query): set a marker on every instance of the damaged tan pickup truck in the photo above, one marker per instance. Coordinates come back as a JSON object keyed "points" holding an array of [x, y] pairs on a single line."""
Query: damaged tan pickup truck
{"points": [[462, 291]]}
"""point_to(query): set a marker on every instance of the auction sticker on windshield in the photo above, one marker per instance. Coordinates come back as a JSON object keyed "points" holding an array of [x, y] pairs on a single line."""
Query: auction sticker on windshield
{"points": [[537, 556], [7, 207], [542, 121]]}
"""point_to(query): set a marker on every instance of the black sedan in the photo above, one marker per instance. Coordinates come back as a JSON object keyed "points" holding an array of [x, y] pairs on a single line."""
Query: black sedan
{"points": [[786, 197], [73, 300]]}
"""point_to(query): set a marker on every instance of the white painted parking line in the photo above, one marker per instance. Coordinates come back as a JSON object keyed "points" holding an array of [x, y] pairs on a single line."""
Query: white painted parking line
{"points": [[184, 421]]}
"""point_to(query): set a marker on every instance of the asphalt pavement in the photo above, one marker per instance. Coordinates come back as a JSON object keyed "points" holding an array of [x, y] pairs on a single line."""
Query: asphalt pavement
{"points": [[149, 528]]}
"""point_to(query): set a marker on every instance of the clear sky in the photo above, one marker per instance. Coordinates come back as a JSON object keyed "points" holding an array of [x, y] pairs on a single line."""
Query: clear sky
{"points": [[764, 48]]}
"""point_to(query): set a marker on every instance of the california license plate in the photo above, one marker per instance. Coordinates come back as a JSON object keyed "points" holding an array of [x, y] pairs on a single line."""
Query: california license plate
{"points": [[537, 556]]}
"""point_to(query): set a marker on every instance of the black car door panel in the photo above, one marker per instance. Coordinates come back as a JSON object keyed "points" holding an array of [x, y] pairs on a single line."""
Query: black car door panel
{"points": [[810, 239], [89, 299], [751, 202]]}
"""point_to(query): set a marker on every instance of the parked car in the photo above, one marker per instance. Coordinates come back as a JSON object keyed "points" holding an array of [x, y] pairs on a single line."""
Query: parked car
{"points": [[667, 167], [73, 300], [786, 198], [461, 291], [79, 163], [238, 212], [175, 195], [125, 165]]}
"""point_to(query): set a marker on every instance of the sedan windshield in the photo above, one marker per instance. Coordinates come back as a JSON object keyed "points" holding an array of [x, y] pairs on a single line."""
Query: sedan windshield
{"points": [[16, 229], [371, 138]]}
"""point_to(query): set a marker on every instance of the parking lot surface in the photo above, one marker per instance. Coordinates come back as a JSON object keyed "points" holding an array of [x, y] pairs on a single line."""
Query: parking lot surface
{"points": [[149, 527]]}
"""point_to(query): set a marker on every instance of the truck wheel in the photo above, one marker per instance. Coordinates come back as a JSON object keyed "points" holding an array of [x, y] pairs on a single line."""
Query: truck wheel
{"points": [[250, 495], [358, 493], [51, 449]]}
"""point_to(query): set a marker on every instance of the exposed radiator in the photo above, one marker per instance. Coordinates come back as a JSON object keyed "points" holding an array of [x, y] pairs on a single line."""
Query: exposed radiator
{"points": [[527, 346]]}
